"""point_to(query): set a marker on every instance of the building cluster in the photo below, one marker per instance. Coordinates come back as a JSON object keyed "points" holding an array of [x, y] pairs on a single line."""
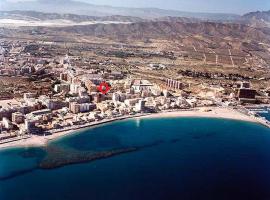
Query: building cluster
{"points": [[75, 100], [15, 60]]}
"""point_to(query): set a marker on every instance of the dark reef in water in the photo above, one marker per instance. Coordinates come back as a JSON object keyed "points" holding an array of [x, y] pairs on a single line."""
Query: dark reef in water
{"points": [[54, 156], [59, 157]]}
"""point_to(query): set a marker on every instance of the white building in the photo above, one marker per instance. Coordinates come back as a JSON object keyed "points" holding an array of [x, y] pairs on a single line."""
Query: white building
{"points": [[7, 123], [140, 106], [118, 97], [141, 85], [27, 96], [61, 87], [17, 117], [29, 125], [85, 107], [76, 88]]}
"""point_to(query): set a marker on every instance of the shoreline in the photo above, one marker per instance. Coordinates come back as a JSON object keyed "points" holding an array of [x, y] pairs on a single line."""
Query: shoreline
{"points": [[216, 112]]}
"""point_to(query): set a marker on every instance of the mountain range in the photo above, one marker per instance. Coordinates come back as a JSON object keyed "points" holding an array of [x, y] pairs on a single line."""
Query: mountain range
{"points": [[81, 8], [248, 33], [41, 16]]}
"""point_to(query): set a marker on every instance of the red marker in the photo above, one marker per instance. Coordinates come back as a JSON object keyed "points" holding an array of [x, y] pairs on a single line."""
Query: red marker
{"points": [[104, 88]]}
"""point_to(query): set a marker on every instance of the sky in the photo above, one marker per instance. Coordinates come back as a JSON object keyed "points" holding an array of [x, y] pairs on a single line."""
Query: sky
{"points": [[215, 6]]}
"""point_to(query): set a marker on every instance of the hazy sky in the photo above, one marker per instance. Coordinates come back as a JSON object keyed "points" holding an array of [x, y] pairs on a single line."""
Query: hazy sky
{"points": [[225, 6]]}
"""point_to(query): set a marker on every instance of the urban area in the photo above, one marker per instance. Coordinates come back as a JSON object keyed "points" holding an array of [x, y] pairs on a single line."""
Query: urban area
{"points": [[43, 94]]}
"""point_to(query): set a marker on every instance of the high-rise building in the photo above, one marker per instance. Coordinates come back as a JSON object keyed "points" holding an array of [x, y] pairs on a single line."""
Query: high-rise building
{"points": [[7, 123], [84, 107], [17, 117], [140, 106], [74, 107]]}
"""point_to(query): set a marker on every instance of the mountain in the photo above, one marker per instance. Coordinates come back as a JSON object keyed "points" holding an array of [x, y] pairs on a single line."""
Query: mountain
{"points": [[257, 19], [169, 29], [40, 16], [81, 8], [259, 15]]}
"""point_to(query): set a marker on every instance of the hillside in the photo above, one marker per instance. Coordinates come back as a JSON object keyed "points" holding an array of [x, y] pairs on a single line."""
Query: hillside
{"points": [[164, 29], [257, 19]]}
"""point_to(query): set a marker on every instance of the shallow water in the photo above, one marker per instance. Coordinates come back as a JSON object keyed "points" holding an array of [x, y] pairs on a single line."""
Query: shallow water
{"points": [[187, 158]]}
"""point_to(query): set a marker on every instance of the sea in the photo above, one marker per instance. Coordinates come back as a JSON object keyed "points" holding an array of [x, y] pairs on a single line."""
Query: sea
{"points": [[137, 159]]}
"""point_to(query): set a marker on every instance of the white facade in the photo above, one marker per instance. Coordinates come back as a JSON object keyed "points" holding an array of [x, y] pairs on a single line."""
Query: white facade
{"points": [[140, 106], [116, 97], [74, 88], [6, 123], [141, 85], [61, 87], [27, 96], [85, 107]]}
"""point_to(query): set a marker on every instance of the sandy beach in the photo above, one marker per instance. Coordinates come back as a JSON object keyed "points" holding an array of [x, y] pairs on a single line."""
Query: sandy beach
{"points": [[223, 113]]}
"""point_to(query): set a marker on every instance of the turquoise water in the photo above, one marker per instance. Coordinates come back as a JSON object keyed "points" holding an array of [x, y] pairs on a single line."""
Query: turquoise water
{"points": [[188, 158]]}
